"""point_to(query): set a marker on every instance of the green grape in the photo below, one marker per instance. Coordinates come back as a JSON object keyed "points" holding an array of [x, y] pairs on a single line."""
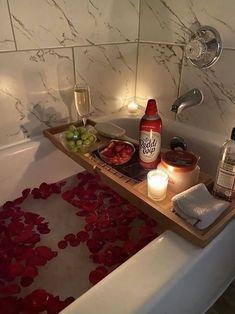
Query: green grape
{"points": [[86, 142], [74, 149], [76, 135], [72, 128], [69, 135], [82, 129], [85, 136], [91, 138], [71, 144], [79, 143]]}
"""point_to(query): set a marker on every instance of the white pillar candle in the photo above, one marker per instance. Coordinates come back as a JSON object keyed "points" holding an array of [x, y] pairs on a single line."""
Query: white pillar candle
{"points": [[157, 181], [132, 107]]}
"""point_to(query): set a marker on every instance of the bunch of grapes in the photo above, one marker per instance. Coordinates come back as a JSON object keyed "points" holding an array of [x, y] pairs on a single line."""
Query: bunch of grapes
{"points": [[78, 138]]}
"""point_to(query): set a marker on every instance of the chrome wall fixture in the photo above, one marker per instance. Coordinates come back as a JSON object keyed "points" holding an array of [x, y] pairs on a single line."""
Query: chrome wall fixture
{"points": [[204, 47]]}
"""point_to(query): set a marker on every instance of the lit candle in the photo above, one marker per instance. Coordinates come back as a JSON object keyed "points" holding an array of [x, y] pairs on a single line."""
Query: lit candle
{"points": [[132, 107], [157, 184]]}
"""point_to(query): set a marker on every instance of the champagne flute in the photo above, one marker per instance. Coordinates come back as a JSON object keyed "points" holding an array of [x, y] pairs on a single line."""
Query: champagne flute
{"points": [[82, 100]]}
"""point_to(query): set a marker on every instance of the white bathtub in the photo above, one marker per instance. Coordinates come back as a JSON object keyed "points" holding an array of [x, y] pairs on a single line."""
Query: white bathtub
{"points": [[168, 276]]}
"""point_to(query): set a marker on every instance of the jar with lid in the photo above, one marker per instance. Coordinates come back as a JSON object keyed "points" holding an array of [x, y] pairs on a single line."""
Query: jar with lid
{"points": [[182, 169]]}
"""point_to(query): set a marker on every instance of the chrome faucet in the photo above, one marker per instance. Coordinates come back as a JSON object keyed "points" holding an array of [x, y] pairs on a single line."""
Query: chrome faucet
{"points": [[189, 99]]}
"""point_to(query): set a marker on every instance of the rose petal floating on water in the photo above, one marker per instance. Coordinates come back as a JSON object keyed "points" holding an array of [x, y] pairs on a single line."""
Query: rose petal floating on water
{"points": [[15, 269], [45, 252], [43, 228], [108, 219], [82, 236], [62, 244], [26, 281], [98, 274], [69, 237], [10, 289], [74, 242]]}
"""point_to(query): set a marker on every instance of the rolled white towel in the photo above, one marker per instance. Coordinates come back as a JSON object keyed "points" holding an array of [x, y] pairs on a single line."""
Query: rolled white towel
{"points": [[198, 207]]}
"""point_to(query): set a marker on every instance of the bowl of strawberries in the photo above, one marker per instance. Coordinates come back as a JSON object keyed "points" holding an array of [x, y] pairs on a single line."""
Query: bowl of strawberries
{"points": [[117, 152]]}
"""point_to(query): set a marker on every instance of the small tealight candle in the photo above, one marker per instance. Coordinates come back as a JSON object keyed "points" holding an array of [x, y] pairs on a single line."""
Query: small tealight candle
{"points": [[132, 107], [157, 184]]}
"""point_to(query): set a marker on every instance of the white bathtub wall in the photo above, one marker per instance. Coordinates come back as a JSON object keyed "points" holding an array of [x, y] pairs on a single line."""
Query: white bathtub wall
{"points": [[28, 164]]}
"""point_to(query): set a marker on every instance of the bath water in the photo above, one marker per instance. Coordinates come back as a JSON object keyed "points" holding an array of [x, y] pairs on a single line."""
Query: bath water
{"points": [[58, 240]]}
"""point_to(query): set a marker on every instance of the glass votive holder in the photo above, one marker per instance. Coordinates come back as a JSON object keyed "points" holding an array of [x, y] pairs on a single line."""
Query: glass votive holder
{"points": [[157, 181], [132, 107]]}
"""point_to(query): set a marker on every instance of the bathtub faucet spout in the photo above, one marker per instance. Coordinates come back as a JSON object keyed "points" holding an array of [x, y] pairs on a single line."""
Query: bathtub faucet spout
{"points": [[191, 98]]}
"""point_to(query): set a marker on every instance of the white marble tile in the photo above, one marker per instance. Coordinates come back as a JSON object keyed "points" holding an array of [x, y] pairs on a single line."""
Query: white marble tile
{"points": [[6, 36], [158, 75], [171, 20], [56, 23], [217, 112], [35, 92], [110, 71]]}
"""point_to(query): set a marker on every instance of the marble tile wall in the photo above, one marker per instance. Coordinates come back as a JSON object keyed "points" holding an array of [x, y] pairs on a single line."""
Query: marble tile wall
{"points": [[173, 22], [46, 45], [123, 49]]}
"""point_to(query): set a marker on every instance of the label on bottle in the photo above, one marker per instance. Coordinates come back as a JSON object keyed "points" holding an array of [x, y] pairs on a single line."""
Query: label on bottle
{"points": [[150, 145], [226, 175]]}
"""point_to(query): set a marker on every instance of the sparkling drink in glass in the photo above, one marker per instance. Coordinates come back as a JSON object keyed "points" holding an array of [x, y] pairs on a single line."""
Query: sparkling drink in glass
{"points": [[82, 101]]}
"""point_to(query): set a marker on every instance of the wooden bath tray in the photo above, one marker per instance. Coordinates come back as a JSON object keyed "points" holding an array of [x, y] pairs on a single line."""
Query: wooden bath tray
{"points": [[136, 192]]}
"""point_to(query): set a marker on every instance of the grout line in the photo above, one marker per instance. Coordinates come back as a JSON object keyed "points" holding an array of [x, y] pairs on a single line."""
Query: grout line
{"points": [[137, 51], [12, 28], [161, 43], [98, 44], [74, 72], [69, 47]]}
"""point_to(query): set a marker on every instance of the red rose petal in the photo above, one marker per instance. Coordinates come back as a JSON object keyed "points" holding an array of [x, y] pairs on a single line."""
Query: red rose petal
{"points": [[26, 281], [10, 289], [25, 193], [94, 245], [91, 218], [15, 269], [69, 237], [98, 274], [74, 242], [43, 228], [62, 244], [30, 271], [56, 188], [83, 236], [38, 299], [15, 228], [145, 231], [129, 246], [89, 205], [82, 213], [110, 235], [67, 196], [44, 252]]}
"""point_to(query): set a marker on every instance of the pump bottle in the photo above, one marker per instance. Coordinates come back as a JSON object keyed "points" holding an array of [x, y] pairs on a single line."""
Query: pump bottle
{"points": [[225, 178]]}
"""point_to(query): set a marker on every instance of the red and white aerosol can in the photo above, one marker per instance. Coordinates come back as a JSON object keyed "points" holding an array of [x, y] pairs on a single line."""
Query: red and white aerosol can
{"points": [[150, 136]]}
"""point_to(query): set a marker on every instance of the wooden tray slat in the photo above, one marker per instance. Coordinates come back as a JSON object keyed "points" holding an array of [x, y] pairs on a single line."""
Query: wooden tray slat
{"points": [[136, 192]]}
